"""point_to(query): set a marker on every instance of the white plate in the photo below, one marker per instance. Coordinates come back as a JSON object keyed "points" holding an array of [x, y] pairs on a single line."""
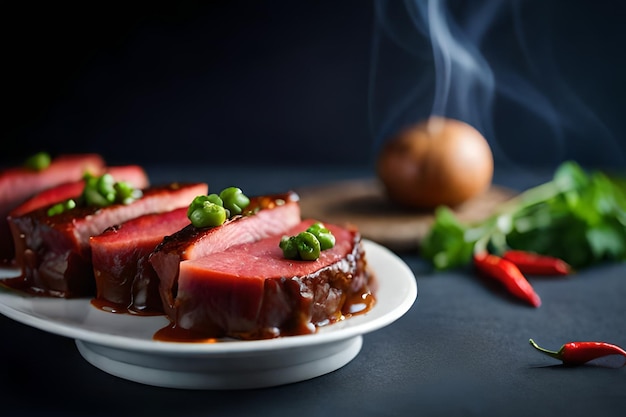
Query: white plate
{"points": [[123, 345]]}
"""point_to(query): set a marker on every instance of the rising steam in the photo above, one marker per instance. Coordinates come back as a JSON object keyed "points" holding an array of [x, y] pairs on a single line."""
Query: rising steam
{"points": [[483, 63]]}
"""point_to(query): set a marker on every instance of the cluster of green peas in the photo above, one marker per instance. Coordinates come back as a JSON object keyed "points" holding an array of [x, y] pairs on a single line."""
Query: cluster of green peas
{"points": [[101, 191], [307, 245], [213, 209]]}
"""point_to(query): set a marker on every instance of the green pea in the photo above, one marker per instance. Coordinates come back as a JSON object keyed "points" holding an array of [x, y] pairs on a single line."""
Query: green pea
{"points": [[234, 200], [123, 190], [308, 246], [125, 193], [106, 187], [70, 204], [318, 226], [93, 198], [197, 203], [215, 199], [92, 194], [209, 215], [325, 236], [55, 209], [90, 180], [38, 161], [61, 207], [289, 247]]}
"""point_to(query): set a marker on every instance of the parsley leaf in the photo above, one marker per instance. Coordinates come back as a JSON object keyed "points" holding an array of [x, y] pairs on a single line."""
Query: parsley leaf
{"points": [[579, 217]]}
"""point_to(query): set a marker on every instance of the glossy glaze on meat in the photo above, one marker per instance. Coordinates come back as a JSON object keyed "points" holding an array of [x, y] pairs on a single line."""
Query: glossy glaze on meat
{"points": [[56, 255], [265, 216], [251, 291], [17, 184], [125, 280], [133, 174]]}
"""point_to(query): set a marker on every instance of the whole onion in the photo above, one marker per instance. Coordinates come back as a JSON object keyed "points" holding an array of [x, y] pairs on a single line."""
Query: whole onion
{"points": [[436, 162]]}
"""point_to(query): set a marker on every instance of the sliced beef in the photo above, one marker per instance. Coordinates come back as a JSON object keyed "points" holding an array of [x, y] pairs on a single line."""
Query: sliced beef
{"points": [[272, 215], [251, 291], [133, 174], [20, 183], [56, 255], [125, 280]]}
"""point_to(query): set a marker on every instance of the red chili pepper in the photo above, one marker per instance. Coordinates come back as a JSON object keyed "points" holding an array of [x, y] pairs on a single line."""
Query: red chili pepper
{"points": [[536, 264], [578, 353], [508, 274]]}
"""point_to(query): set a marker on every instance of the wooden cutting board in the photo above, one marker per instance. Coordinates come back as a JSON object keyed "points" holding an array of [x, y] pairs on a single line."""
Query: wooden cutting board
{"points": [[363, 202]]}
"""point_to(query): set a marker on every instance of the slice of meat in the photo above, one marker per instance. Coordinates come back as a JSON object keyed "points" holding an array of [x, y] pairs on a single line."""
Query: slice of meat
{"points": [[19, 183], [56, 256], [251, 291], [133, 174], [125, 280], [273, 215]]}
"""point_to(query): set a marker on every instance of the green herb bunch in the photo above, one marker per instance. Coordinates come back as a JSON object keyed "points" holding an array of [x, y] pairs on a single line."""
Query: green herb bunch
{"points": [[577, 216]]}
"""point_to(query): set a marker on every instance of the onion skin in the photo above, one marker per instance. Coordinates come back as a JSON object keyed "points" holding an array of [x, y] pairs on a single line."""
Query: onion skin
{"points": [[435, 162]]}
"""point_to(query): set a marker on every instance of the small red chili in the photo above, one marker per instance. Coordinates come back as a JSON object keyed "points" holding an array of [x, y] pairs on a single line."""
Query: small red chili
{"points": [[536, 264], [508, 274], [578, 353]]}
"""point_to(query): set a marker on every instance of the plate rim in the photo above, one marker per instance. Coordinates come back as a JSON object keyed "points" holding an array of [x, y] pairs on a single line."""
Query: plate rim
{"points": [[229, 347]]}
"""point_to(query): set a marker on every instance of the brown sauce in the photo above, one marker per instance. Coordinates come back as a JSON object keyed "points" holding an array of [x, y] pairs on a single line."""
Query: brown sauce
{"points": [[20, 284], [172, 333], [356, 303], [116, 308]]}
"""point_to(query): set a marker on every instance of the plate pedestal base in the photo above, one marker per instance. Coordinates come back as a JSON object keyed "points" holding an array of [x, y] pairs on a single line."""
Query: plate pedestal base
{"points": [[245, 371], [123, 345]]}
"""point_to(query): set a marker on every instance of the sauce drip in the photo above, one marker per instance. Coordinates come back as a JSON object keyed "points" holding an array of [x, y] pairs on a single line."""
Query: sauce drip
{"points": [[355, 303], [116, 308]]}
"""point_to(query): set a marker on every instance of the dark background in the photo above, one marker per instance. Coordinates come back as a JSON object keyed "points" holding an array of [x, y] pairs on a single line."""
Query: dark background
{"points": [[284, 82]]}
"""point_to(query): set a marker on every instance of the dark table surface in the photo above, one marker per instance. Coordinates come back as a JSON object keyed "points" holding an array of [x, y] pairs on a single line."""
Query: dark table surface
{"points": [[462, 349]]}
